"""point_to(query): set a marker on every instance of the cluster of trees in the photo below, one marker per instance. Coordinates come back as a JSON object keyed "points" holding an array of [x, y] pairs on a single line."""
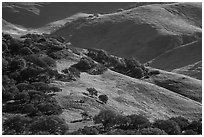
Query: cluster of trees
{"points": [[26, 90], [130, 67], [94, 92], [88, 65], [113, 123]]}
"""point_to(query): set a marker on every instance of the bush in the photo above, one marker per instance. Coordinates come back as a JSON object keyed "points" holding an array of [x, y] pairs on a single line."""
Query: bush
{"points": [[22, 97], [196, 126], [35, 59], [72, 72], [16, 125], [17, 64], [25, 86], [49, 108], [92, 91], [103, 98], [41, 86], [152, 131], [49, 61], [106, 117], [88, 131], [189, 132], [122, 132], [14, 46], [85, 64], [25, 51], [52, 124], [138, 121], [153, 72], [181, 121], [169, 126], [6, 95]]}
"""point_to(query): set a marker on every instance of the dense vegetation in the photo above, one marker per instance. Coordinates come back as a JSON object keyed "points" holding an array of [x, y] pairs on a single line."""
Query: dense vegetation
{"points": [[28, 105], [27, 95], [130, 67], [112, 123]]}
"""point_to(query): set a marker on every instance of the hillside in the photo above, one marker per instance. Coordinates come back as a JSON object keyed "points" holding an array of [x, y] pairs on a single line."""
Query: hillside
{"points": [[12, 29], [126, 95], [144, 32], [193, 70], [179, 56], [181, 84], [38, 14]]}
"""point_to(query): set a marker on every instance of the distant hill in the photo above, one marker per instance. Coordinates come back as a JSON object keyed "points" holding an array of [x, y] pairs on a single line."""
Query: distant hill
{"points": [[179, 56], [193, 70], [38, 14], [145, 32]]}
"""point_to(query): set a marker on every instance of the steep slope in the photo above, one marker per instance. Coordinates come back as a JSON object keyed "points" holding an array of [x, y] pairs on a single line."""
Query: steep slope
{"points": [[144, 32], [181, 84], [179, 57], [193, 70], [12, 29], [126, 95]]}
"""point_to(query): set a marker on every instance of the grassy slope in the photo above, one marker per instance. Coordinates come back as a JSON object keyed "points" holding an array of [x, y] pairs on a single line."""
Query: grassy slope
{"points": [[181, 84], [126, 95], [145, 31], [179, 57], [193, 70]]}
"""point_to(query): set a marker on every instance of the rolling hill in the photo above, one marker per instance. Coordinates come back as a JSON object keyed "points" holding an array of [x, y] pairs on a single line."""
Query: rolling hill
{"points": [[179, 57], [144, 32], [193, 70], [38, 14], [126, 95]]}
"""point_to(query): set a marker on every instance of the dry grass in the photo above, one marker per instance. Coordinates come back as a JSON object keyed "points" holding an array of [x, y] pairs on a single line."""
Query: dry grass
{"points": [[126, 96]]}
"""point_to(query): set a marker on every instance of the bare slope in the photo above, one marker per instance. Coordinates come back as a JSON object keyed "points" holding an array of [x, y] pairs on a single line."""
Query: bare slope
{"points": [[193, 70], [144, 32], [126, 95], [181, 84], [179, 57], [38, 14]]}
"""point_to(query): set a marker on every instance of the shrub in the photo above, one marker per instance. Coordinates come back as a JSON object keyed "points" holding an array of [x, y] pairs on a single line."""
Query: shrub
{"points": [[152, 131], [18, 125], [181, 121], [4, 66], [6, 95], [52, 124], [196, 126], [169, 126], [92, 91], [153, 72], [17, 64], [49, 108], [35, 59], [89, 131], [106, 117], [55, 89], [138, 121], [25, 51], [22, 97], [14, 46], [41, 86], [189, 132], [84, 64], [72, 72], [25, 86], [122, 132], [103, 98], [4, 46], [49, 61], [29, 109]]}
